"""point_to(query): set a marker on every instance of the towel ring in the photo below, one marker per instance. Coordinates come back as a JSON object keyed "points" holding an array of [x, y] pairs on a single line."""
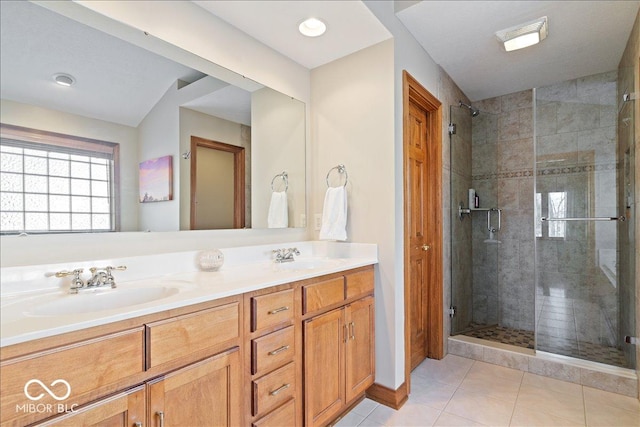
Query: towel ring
{"points": [[341, 170], [285, 179]]}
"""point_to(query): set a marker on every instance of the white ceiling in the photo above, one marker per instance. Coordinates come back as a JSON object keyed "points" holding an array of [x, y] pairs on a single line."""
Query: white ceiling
{"points": [[351, 26], [585, 37]]}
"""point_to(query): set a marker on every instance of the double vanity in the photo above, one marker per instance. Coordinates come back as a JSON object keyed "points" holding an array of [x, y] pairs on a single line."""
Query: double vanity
{"points": [[258, 342]]}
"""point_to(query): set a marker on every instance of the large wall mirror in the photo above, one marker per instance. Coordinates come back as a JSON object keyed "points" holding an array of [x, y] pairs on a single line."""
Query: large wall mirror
{"points": [[236, 147]]}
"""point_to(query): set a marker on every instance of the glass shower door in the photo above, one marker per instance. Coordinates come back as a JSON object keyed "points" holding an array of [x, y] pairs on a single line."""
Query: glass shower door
{"points": [[474, 262], [579, 295]]}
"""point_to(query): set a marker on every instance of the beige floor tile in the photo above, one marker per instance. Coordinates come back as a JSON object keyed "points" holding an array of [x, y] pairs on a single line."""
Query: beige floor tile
{"points": [[484, 370], [411, 414], [548, 383], [562, 405], [365, 407], [450, 370], [496, 381], [594, 397], [525, 416], [607, 416], [449, 420], [479, 407], [434, 394], [350, 420]]}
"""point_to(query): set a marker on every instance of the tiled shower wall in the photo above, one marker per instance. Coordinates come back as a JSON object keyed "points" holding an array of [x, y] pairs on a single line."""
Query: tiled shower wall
{"points": [[502, 175]]}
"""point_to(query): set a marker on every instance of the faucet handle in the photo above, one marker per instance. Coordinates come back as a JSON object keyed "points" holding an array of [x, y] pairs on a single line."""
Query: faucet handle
{"points": [[64, 273], [295, 251]]}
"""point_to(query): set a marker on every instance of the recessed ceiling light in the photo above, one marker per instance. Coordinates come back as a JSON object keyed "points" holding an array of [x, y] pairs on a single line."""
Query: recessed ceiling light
{"points": [[64, 79], [524, 35], [312, 27]]}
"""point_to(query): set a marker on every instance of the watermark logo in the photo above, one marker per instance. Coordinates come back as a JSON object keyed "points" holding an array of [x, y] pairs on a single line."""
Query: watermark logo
{"points": [[47, 389], [48, 408]]}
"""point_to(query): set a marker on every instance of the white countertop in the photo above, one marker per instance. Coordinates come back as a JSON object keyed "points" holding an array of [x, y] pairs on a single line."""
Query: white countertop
{"points": [[26, 315]]}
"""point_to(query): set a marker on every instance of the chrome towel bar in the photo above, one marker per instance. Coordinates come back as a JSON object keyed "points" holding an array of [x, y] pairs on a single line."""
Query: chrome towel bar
{"points": [[597, 218]]}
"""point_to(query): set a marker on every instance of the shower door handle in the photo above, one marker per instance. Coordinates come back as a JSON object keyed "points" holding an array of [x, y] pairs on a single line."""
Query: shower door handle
{"points": [[601, 218]]}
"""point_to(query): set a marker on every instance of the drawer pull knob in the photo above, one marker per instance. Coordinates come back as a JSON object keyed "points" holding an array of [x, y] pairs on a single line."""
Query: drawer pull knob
{"points": [[278, 350], [137, 424], [352, 325], [279, 389], [278, 310], [160, 415]]}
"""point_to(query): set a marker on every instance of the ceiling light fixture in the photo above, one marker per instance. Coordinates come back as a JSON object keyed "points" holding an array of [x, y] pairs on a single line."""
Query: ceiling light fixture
{"points": [[312, 27], [64, 79], [524, 35]]}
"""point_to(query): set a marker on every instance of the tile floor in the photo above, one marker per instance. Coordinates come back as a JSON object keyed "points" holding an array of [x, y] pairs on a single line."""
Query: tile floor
{"points": [[456, 391]]}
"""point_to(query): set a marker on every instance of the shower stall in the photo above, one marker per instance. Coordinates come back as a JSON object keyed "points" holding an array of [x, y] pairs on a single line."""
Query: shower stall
{"points": [[545, 259]]}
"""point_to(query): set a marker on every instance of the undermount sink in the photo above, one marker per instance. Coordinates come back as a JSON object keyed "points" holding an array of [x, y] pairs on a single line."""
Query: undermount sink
{"points": [[100, 300], [307, 264]]}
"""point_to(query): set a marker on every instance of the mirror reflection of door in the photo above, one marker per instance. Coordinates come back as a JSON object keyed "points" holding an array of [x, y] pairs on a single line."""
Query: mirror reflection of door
{"points": [[217, 185]]}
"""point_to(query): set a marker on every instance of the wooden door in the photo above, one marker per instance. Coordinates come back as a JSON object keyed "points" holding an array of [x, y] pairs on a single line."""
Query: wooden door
{"points": [[122, 410], [324, 338], [360, 352], [423, 224], [206, 194], [416, 204], [207, 393]]}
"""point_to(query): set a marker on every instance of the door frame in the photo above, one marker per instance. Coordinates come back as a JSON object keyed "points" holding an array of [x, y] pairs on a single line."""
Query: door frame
{"points": [[238, 178], [413, 91]]}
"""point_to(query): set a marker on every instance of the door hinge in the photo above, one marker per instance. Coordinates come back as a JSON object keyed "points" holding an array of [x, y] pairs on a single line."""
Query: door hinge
{"points": [[631, 340], [452, 128], [452, 311]]}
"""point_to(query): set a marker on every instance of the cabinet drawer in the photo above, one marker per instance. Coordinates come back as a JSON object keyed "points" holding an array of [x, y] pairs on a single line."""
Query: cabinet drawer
{"points": [[72, 371], [273, 350], [323, 294], [360, 283], [283, 416], [184, 335], [271, 309], [274, 389]]}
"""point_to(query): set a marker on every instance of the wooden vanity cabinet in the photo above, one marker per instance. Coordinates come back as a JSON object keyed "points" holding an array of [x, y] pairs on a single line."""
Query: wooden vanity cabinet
{"points": [[289, 355], [273, 369], [339, 360], [126, 409], [204, 394], [184, 363]]}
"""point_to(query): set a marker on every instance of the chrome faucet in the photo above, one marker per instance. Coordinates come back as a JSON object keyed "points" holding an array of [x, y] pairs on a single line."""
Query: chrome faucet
{"points": [[100, 278], [285, 255]]}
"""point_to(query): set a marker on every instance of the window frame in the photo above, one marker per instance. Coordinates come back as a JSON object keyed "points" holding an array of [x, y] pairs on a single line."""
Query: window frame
{"points": [[72, 142]]}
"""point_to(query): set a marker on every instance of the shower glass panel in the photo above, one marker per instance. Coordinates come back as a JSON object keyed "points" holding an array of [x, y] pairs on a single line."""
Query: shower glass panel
{"points": [[474, 248], [583, 307]]}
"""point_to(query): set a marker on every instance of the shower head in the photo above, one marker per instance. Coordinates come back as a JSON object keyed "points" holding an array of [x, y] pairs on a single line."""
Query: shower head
{"points": [[474, 112]]}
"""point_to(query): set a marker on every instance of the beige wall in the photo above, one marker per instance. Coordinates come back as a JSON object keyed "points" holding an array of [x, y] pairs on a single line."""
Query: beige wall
{"points": [[352, 124]]}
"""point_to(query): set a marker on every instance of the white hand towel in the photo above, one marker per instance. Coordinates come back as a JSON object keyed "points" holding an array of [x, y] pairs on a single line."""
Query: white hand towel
{"points": [[278, 216], [334, 215]]}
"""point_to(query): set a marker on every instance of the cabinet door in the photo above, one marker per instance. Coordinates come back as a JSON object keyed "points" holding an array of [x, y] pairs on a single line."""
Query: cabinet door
{"points": [[122, 410], [207, 393], [360, 354], [324, 338]]}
